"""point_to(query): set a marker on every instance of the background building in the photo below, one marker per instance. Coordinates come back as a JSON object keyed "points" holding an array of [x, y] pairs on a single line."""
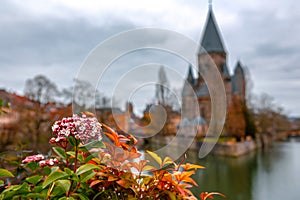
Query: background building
{"points": [[235, 84]]}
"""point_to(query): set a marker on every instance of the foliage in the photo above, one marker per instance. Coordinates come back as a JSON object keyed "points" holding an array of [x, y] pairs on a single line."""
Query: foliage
{"points": [[249, 120], [3, 106], [105, 168], [269, 118], [235, 120]]}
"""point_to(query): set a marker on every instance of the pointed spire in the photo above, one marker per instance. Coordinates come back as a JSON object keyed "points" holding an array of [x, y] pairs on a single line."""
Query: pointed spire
{"points": [[211, 37], [238, 83], [225, 70], [239, 67], [190, 77], [210, 4], [189, 83]]}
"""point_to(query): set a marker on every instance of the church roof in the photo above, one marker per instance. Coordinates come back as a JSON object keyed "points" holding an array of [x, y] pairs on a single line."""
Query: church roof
{"points": [[239, 67], [211, 38], [238, 74], [189, 83], [190, 77], [225, 70], [203, 91]]}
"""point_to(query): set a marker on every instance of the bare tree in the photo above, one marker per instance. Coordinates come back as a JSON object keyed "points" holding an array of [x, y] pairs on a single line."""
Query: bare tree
{"points": [[35, 116], [163, 93], [270, 118], [162, 87], [40, 89], [82, 95]]}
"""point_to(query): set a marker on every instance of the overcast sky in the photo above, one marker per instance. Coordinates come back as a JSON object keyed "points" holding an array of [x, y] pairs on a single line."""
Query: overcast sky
{"points": [[54, 37]]}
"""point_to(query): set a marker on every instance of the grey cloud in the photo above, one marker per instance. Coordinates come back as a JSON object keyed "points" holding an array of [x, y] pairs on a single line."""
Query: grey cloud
{"points": [[47, 42]]}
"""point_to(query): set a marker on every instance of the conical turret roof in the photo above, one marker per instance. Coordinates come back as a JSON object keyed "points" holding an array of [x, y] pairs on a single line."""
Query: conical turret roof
{"points": [[211, 38]]}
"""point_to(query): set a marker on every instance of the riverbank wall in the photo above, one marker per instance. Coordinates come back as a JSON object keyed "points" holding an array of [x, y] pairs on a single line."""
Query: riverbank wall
{"points": [[232, 149]]}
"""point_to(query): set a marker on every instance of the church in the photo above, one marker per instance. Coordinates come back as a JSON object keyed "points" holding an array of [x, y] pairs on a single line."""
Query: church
{"points": [[235, 84]]}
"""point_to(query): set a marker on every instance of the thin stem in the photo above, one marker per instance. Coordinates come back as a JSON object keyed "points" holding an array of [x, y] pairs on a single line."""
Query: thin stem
{"points": [[183, 159], [75, 167], [76, 155], [70, 190], [67, 160]]}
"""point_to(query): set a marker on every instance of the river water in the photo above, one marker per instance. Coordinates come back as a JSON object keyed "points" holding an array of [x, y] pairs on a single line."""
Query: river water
{"points": [[272, 174]]}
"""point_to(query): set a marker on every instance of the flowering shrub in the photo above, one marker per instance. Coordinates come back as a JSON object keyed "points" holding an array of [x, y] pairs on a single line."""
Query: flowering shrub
{"points": [[83, 128], [91, 161]]}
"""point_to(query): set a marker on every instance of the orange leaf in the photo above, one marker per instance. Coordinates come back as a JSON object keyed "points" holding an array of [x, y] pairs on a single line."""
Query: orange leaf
{"points": [[124, 183], [124, 146], [95, 182], [133, 139], [206, 195], [112, 178], [94, 161], [189, 166], [133, 150]]}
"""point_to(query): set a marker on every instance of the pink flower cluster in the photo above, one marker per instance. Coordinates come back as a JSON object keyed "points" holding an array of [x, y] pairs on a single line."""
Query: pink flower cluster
{"points": [[40, 158], [84, 128], [50, 162], [34, 158]]}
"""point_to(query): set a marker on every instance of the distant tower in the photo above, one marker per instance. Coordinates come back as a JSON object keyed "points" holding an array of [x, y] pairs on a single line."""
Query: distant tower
{"points": [[239, 82], [212, 45], [188, 95]]}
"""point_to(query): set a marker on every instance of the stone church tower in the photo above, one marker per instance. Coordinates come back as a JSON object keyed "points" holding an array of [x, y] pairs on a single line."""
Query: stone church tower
{"points": [[213, 45]]}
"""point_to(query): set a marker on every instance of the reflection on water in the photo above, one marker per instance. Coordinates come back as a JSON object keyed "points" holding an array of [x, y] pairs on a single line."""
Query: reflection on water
{"points": [[272, 174]]}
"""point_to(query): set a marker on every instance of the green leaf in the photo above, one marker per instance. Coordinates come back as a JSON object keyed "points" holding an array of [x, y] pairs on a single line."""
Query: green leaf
{"points": [[93, 144], [60, 152], [14, 190], [81, 196], [15, 163], [73, 141], [95, 197], [56, 192], [90, 157], [80, 158], [53, 177], [46, 170], [171, 195], [35, 196], [33, 166], [87, 176], [5, 173], [38, 189], [34, 179], [64, 184], [155, 157], [3, 153], [53, 169], [68, 171], [66, 198], [1, 182], [71, 153], [85, 168]]}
